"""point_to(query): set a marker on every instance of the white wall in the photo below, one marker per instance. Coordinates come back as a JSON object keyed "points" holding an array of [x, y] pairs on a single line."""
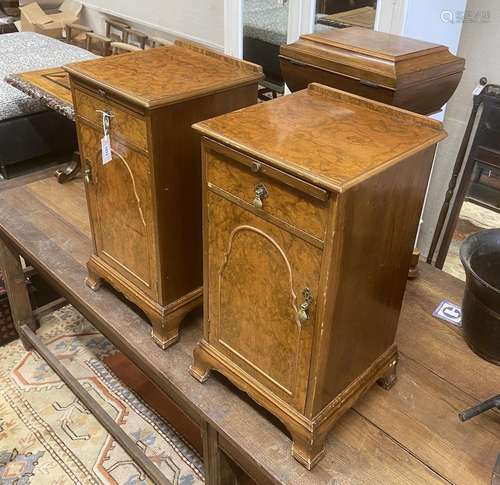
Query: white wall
{"points": [[197, 20], [427, 20], [478, 45]]}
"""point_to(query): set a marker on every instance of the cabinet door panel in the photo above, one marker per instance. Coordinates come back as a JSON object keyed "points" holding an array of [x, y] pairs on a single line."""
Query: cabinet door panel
{"points": [[257, 274], [121, 209]]}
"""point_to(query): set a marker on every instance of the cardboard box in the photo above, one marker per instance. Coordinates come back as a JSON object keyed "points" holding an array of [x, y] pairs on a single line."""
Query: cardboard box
{"points": [[34, 19]]}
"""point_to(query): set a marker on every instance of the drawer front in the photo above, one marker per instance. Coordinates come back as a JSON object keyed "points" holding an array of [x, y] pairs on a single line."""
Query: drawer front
{"points": [[129, 127], [267, 189], [256, 277]]}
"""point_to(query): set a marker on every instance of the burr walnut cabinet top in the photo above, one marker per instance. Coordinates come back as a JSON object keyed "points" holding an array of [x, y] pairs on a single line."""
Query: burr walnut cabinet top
{"points": [[162, 76], [329, 137]]}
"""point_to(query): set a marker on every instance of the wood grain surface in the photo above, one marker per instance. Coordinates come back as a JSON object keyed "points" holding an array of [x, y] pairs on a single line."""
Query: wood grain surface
{"points": [[145, 201], [399, 71], [330, 138], [283, 318], [408, 435], [49, 86], [54, 81], [157, 77]]}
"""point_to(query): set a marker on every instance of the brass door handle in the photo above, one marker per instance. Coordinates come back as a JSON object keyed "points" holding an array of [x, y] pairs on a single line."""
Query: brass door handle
{"points": [[260, 194], [303, 313], [87, 172]]}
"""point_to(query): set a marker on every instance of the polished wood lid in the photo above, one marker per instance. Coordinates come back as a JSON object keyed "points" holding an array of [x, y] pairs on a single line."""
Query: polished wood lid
{"points": [[373, 43], [165, 75], [326, 136], [384, 59]]}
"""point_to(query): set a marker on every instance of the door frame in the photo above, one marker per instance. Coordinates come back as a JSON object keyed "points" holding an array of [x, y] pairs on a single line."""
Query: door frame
{"points": [[233, 28]]}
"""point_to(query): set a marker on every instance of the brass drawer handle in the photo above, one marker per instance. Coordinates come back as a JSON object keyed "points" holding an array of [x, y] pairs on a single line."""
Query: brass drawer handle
{"points": [[261, 193], [303, 312]]}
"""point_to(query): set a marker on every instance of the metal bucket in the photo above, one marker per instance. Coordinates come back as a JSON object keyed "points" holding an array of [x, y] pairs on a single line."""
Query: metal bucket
{"points": [[480, 255]]}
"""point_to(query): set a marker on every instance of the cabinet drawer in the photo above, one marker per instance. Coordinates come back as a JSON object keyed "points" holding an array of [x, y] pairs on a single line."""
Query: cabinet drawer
{"points": [[267, 189], [124, 124]]}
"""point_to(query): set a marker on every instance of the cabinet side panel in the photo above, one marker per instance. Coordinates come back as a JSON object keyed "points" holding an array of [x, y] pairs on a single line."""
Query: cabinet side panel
{"points": [[376, 231], [177, 176]]}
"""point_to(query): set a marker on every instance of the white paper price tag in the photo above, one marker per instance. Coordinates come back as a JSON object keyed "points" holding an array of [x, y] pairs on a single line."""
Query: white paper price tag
{"points": [[477, 90], [107, 154]]}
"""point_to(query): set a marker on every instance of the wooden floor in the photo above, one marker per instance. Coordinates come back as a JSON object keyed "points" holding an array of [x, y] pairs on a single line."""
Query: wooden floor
{"points": [[410, 434]]}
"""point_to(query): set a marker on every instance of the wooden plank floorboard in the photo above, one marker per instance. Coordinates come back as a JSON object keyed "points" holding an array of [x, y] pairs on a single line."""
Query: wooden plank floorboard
{"points": [[420, 413], [406, 435], [439, 346], [55, 224], [74, 208], [31, 177]]}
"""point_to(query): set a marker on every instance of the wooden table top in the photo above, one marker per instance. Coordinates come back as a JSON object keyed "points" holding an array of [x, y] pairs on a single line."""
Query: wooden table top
{"points": [[165, 75], [367, 136], [409, 435], [50, 86]]}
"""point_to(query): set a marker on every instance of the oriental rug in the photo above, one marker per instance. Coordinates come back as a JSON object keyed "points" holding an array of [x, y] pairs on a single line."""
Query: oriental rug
{"points": [[48, 437]]}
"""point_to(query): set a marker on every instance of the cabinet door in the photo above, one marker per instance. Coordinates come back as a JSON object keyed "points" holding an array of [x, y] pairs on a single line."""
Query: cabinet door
{"points": [[257, 273], [120, 206]]}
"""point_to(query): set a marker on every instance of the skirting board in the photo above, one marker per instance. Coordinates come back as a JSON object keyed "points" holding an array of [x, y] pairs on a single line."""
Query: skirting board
{"points": [[91, 10]]}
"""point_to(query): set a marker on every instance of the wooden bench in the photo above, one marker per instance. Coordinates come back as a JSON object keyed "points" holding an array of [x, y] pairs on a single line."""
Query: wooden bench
{"points": [[409, 435]]}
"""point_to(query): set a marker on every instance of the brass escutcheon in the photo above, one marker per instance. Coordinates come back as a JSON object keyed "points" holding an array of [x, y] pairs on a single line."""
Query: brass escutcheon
{"points": [[261, 193]]}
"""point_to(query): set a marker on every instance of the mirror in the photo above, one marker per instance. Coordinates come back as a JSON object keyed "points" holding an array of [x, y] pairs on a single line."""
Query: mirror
{"points": [[345, 13], [265, 28]]}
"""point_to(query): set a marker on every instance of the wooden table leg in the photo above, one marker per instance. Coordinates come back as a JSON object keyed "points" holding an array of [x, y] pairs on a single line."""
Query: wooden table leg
{"points": [[218, 469], [70, 171], [17, 291]]}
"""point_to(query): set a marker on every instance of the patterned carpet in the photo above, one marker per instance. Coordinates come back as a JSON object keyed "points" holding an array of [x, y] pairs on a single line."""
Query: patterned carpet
{"points": [[48, 437], [473, 218]]}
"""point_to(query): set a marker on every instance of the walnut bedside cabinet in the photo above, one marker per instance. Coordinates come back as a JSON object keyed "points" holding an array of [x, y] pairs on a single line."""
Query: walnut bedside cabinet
{"points": [[311, 206], [144, 186]]}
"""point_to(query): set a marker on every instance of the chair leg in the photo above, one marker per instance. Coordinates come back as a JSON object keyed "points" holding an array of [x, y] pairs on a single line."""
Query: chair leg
{"points": [[4, 171]]}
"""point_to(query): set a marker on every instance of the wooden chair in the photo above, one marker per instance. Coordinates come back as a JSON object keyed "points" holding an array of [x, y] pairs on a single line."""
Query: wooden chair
{"points": [[122, 48], [10, 8], [103, 44], [115, 30], [136, 38], [9, 13], [158, 42], [76, 34]]}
